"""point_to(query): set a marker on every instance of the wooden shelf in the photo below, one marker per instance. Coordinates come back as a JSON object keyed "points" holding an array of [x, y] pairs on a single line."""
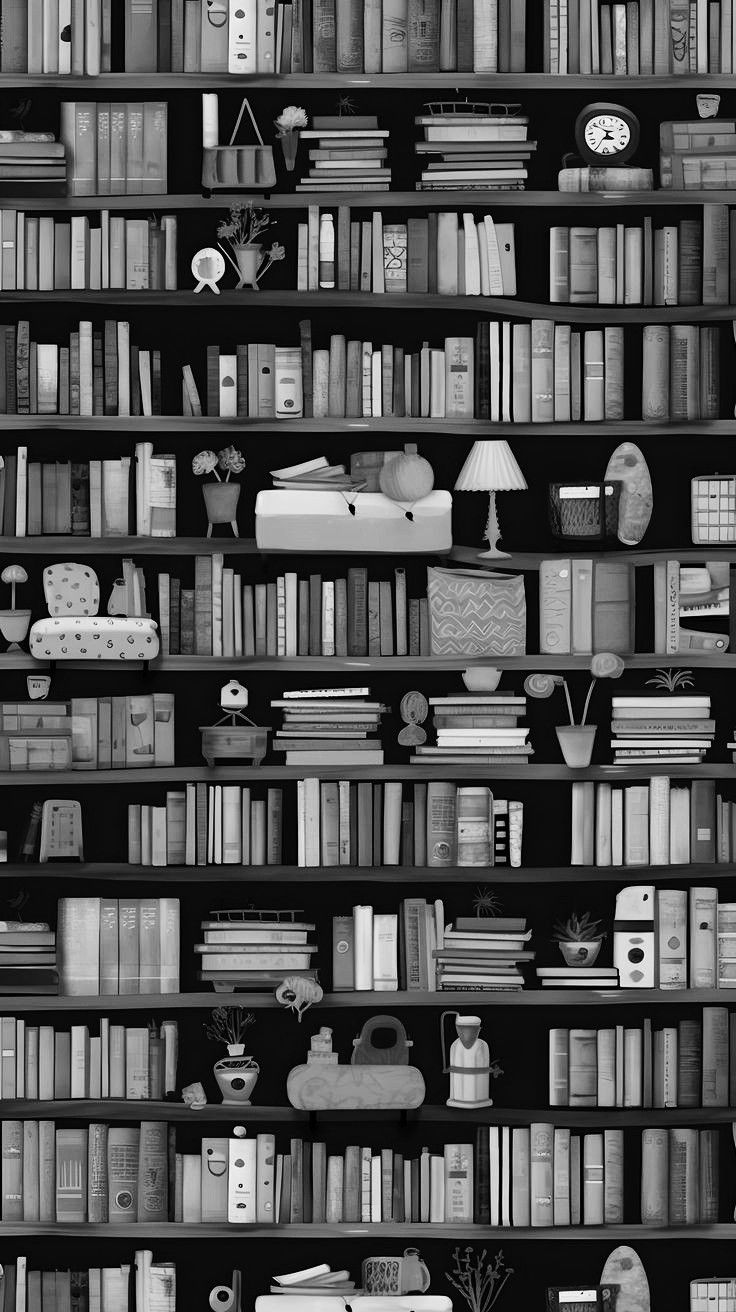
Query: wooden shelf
{"points": [[531, 559], [610, 1235], [112, 872], [118, 1109], [183, 426], [559, 998], [369, 200], [123, 83], [276, 300], [249, 773]]}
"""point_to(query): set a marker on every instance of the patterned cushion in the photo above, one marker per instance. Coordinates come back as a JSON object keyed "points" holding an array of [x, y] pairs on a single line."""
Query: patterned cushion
{"points": [[71, 589], [89, 638]]}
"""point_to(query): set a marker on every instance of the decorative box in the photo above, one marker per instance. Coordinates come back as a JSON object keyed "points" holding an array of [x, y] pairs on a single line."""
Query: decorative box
{"points": [[584, 510], [366, 521]]}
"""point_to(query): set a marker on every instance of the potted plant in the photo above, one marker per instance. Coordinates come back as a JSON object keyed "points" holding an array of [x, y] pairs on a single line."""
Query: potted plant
{"points": [[220, 498], [237, 1073], [287, 125], [670, 681], [14, 623], [576, 740], [580, 939], [241, 231]]}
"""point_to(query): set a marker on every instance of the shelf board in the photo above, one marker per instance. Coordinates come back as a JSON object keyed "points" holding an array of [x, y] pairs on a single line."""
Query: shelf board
{"points": [[530, 560], [184, 425], [204, 1231], [242, 773], [114, 872], [119, 1109], [122, 83], [276, 300], [368, 200], [526, 998]]}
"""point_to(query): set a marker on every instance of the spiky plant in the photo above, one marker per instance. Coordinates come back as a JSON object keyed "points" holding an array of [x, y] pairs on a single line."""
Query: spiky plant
{"points": [[577, 929], [486, 902], [478, 1279], [228, 1024], [670, 680]]}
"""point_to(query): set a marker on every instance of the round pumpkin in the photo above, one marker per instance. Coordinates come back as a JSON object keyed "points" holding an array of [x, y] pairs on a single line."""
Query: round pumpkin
{"points": [[407, 477]]}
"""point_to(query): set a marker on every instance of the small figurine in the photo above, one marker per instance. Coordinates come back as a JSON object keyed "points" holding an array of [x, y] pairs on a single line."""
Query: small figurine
{"points": [[194, 1096], [414, 709], [320, 1048], [470, 1067]]}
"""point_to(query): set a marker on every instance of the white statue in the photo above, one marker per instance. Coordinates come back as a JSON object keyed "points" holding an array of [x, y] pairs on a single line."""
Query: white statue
{"points": [[470, 1067]]}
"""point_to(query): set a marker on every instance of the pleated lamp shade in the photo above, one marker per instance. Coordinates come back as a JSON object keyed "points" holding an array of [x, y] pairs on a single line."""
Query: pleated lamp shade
{"points": [[490, 467]]}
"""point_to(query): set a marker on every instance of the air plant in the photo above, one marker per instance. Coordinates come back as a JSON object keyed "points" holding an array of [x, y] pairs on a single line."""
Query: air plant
{"points": [[486, 902], [478, 1279], [604, 665], [670, 680], [229, 460], [578, 929], [228, 1024]]}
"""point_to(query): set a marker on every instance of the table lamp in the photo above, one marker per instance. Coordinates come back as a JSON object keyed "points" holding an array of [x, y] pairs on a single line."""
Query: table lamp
{"points": [[491, 467]]}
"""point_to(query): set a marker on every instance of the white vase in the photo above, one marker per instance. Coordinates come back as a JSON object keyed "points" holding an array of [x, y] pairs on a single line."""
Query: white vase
{"points": [[236, 1075]]}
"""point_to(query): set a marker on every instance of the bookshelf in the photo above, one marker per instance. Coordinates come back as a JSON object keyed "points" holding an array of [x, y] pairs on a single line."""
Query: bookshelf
{"points": [[516, 1025]]}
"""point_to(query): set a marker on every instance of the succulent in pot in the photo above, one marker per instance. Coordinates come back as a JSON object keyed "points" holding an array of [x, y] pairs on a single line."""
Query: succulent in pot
{"points": [[580, 939]]}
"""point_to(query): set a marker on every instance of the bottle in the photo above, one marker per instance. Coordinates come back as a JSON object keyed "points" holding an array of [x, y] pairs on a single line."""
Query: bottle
{"points": [[326, 251]]}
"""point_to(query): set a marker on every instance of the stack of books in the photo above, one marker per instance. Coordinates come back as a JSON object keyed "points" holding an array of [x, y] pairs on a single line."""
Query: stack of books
{"points": [[578, 977], [674, 729], [349, 154], [314, 476], [31, 162], [697, 156], [475, 148], [314, 1280], [328, 726], [483, 953], [27, 959], [253, 949], [481, 728]]}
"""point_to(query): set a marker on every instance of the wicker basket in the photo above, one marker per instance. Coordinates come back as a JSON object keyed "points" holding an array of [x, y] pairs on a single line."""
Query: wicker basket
{"points": [[584, 510]]}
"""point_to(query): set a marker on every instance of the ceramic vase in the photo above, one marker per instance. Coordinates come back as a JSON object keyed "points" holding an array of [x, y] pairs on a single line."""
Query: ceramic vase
{"points": [[249, 260], [14, 626], [290, 145], [576, 953], [236, 1075], [221, 502], [576, 743]]}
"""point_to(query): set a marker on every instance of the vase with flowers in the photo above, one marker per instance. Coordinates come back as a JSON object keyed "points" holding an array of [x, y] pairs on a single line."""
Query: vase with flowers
{"points": [[241, 231], [287, 125], [576, 740], [237, 1073], [220, 498]]}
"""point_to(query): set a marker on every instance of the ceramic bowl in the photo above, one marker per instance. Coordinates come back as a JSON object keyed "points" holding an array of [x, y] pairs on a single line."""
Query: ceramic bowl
{"points": [[482, 678]]}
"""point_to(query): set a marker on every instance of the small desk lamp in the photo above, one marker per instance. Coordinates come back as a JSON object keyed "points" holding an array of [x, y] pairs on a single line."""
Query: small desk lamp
{"points": [[491, 467]]}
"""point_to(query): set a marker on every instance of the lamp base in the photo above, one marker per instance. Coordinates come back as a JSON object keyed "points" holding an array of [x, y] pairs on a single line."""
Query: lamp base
{"points": [[494, 554]]}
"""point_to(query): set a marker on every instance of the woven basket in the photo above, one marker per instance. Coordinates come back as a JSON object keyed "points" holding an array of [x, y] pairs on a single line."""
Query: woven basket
{"points": [[589, 510]]}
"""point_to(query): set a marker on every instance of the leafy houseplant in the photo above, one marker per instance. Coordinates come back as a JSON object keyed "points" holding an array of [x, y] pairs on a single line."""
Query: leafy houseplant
{"points": [[576, 740], [478, 1279], [580, 939], [241, 231], [220, 498], [236, 1074]]}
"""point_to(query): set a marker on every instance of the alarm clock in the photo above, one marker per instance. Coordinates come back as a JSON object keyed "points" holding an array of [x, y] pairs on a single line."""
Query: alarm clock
{"points": [[606, 134]]}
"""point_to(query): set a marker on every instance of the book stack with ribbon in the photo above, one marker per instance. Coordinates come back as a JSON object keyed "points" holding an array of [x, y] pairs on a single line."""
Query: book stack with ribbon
{"points": [[254, 949], [329, 726], [473, 146], [477, 728], [484, 952], [348, 154]]}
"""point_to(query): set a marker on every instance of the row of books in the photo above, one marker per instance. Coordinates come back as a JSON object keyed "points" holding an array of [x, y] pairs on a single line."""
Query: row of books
{"points": [[443, 253], [254, 949], [539, 372], [349, 153], [89, 498], [115, 149], [57, 37], [660, 823], [338, 823], [329, 726], [661, 732], [651, 37], [690, 1064], [101, 371], [88, 733], [586, 605], [40, 1063], [45, 254], [28, 1290], [481, 728], [692, 262], [683, 591], [315, 616], [475, 148], [117, 946]]}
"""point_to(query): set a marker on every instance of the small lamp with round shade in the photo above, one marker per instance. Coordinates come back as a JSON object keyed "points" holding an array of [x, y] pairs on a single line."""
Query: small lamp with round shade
{"points": [[491, 467]]}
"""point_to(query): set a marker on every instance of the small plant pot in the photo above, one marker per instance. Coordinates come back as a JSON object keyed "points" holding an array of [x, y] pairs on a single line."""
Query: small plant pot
{"points": [[249, 260], [576, 743], [576, 953], [14, 626], [221, 503], [236, 1076]]}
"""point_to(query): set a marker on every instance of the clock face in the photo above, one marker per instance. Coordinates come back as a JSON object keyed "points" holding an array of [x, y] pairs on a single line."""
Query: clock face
{"points": [[607, 134]]}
